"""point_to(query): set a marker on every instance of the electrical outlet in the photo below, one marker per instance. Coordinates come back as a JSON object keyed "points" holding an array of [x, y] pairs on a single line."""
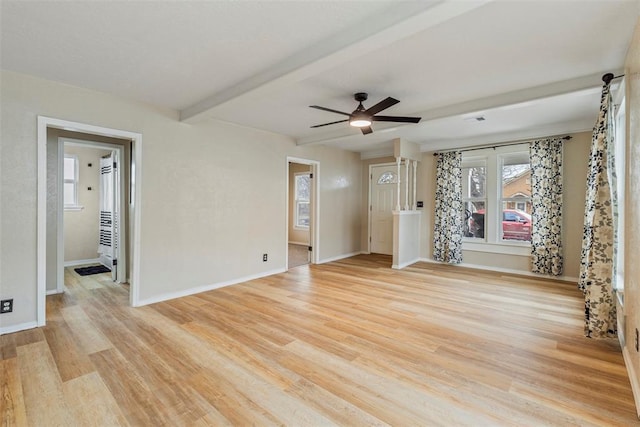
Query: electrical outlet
{"points": [[637, 348], [264, 257], [6, 306]]}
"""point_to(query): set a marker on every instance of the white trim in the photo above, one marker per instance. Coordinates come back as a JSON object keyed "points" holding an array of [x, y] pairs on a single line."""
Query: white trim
{"points": [[314, 229], [75, 208], [404, 264], [82, 262], [17, 328], [633, 378], [61, 208], [199, 289], [514, 249], [135, 219], [505, 270], [339, 257], [54, 292]]}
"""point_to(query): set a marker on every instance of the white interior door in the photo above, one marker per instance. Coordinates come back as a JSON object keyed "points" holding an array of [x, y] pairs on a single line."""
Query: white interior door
{"points": [[108, 244], [383, 187]]}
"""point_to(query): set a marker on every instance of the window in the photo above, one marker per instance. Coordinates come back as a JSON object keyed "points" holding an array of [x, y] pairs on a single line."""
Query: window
{"points": [[516, 196], [302, 193], [70, 185], [496, 195], [388, 178], [474, 197]]}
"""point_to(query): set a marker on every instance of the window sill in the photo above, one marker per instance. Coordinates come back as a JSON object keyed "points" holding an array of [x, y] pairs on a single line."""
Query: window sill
{"points": [[519, 249], [74, 208], [297, 227]]}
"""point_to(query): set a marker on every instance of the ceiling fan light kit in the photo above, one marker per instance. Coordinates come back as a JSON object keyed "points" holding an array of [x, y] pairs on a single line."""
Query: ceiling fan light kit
{"points": [[362, 118]]}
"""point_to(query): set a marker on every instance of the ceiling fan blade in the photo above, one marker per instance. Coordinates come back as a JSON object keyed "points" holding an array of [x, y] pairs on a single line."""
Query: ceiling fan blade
{"points": [[366, 130], [382, 105], [331, 123], [398, 119], [329, 110]]}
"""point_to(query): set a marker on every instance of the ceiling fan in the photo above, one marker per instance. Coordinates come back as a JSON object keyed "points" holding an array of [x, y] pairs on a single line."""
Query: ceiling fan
{"points": [[362, 118]]}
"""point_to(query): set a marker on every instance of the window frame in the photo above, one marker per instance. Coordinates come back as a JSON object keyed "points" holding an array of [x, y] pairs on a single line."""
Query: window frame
{"points": [[493, 242], [75, 181], [298, 201]]}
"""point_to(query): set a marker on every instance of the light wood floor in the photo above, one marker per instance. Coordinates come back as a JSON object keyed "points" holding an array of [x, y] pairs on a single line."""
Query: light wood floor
{"points": [[348, 343]]}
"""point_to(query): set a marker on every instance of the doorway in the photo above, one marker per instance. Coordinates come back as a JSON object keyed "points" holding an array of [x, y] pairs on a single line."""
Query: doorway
{"points": [[302, 203], [94, 177], [50, 230], [383, 199]]}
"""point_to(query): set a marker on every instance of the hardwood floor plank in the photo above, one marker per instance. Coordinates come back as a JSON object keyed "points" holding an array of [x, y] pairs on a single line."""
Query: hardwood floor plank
{"points": [[43, 397], [91, 402], [87, 336], [13, 410], [71, 361]]}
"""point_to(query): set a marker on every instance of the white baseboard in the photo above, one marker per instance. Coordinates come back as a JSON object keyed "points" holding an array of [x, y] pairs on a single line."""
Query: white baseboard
{"points": [[205, 288], [17, 328], [298, 243], [405, 264], [54, 292], [82, 262], [339, 257], [633, 378], [505, 270]]}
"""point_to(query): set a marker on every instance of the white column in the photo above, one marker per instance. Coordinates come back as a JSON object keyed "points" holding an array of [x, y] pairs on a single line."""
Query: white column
{"points": [[398, 160], [415, 168], [406, 185]]}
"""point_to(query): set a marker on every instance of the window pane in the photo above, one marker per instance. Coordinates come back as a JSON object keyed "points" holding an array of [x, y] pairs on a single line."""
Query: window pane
{"points": [[69, 168], [388, 178], [516, 182], [474, 223], [303, 191], [69, 193], [302, 214], [516, 224], [474, 181]]}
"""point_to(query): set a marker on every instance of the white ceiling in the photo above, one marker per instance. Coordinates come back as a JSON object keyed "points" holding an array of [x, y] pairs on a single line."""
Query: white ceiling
{"points": [[531, 68]]}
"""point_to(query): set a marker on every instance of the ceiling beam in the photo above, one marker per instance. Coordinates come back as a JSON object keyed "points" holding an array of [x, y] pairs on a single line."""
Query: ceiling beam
{"points": [[402, 20], [479, 106]]}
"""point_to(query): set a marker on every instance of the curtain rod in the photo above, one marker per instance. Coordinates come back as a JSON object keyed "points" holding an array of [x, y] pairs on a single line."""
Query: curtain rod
{"points": [[566, 138], [606, 78]]}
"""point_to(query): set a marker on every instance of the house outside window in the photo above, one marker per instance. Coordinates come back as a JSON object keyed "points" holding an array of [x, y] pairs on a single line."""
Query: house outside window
{"points": [[474, 197], [302, 191]]}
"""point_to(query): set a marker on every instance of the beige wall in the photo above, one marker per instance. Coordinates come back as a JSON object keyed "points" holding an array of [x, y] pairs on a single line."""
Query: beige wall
{"points": [[213, 194], [296, 235], [632, 219], [81, 237], [576, 157]]}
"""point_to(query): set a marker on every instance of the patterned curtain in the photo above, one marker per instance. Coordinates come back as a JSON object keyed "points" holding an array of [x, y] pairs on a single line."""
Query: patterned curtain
{"points": [[447, 232], [596, 264], [546, 198]]}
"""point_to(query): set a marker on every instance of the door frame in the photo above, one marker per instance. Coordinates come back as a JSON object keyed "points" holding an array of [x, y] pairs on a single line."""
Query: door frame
{"points": [[45, 123], [371, 166], [314, 226], [122, 254]]}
